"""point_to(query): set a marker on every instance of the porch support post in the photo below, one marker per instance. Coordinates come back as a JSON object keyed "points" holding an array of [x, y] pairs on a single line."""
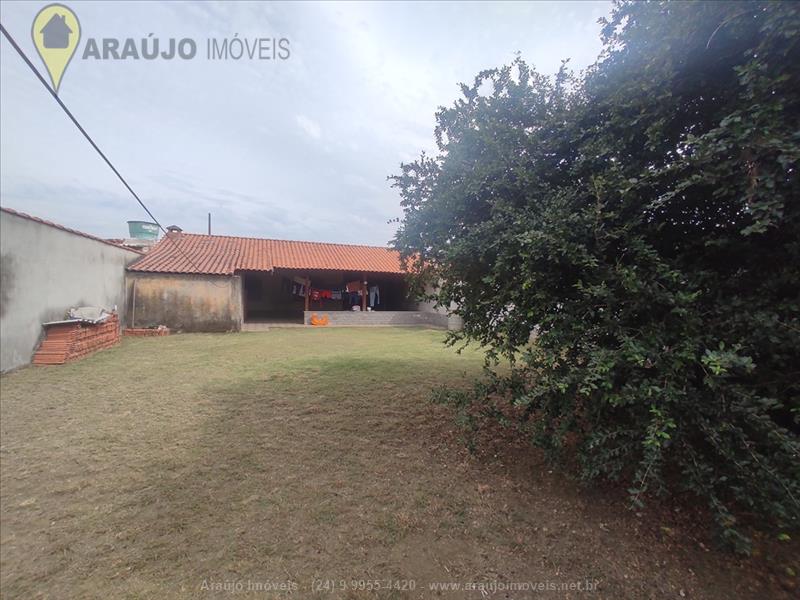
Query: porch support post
{"points": [[308, 290], [364, 292]]}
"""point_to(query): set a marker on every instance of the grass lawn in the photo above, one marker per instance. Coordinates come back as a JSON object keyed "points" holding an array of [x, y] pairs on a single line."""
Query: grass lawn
{"points": [[172, 467]]}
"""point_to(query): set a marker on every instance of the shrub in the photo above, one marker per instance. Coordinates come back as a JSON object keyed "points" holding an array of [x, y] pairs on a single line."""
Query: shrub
{"points": [[641, 221]]}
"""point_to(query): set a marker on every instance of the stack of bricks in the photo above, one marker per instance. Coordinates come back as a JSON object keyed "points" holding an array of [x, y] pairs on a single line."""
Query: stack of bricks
{"points": [[70, 341], [147, 332]]}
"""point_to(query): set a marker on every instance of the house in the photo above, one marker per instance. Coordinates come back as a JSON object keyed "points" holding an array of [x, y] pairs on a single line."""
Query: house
{"points": [[46, 269], [194, 282], [56, 32]]}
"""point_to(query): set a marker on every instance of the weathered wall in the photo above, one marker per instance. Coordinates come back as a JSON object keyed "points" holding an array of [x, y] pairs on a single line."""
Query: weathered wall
{"points": [[380, 318], [44, 271], [185, 302]]}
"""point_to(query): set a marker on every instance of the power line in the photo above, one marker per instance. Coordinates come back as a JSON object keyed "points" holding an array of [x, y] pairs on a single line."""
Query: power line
{"points": [[94, 145]]}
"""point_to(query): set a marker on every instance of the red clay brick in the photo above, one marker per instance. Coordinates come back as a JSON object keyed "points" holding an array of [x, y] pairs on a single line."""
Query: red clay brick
{"points": [[146, 332], [70, 341]]}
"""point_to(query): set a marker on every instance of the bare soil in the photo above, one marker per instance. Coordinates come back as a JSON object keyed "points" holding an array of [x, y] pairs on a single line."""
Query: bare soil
{"points": [[218, 465]]}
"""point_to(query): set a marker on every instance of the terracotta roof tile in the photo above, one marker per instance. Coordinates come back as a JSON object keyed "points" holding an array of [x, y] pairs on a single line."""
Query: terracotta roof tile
{"points": [[224, 255]]}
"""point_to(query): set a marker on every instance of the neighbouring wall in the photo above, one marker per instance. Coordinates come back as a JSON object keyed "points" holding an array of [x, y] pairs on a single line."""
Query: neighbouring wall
{"points": [[454, 322], [44, 271], [185, 302]]}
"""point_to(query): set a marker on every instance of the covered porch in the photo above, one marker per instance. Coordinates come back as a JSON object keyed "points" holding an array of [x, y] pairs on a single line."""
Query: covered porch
{"points": [[291, 297]]}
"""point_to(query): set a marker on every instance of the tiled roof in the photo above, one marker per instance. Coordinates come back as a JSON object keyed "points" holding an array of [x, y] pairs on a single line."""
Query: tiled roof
{"points": [[23, 215], [224, 255]]}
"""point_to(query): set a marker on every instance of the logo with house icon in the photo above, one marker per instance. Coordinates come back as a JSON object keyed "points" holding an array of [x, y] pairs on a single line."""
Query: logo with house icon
{"points": [[56, 33]]}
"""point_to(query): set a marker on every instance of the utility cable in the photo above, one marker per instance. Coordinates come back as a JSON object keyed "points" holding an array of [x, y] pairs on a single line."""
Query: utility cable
{"points": [[94, 145]]}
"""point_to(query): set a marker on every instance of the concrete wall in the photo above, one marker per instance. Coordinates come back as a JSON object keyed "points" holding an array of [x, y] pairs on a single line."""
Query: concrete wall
{"points": [[44, 271], [185, 302], [454, 322], [380, 318]]}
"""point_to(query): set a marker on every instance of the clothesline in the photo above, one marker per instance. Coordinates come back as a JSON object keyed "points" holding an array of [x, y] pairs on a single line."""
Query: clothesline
{"points": [[352, 292]]}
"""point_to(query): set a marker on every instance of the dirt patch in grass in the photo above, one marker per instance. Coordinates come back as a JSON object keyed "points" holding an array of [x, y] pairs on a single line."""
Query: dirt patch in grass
{"points": [[211, 465]]}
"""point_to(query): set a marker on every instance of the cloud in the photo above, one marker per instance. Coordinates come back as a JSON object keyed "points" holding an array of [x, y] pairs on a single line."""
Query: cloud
{"points": [[311, 128], [298, 149]]}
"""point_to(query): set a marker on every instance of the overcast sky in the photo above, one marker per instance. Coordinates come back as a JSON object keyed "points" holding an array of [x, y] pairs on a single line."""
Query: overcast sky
{"points": [[292, 149]]}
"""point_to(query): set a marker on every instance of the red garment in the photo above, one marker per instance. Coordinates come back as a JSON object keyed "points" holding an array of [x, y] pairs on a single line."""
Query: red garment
{"points": [[317, 294]]}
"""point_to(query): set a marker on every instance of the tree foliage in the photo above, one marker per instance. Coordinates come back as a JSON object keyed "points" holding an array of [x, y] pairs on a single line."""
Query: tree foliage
{"points": [[641, 221]]}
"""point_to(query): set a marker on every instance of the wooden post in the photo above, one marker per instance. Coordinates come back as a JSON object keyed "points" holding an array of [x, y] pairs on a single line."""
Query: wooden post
{"points": [[243, 298], [308, 290], [133, 308], [364, 292]]}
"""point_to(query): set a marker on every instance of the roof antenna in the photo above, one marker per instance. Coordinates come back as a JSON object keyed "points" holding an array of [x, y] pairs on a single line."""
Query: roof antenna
{"points": [[209, 223]]}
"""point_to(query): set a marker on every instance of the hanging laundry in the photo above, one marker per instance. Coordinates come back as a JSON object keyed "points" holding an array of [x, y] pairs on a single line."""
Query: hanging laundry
{"points": [[374, 295]]}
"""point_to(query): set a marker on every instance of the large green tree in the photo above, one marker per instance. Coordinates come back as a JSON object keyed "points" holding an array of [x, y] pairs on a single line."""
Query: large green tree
{"points": [[640, 223]]}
